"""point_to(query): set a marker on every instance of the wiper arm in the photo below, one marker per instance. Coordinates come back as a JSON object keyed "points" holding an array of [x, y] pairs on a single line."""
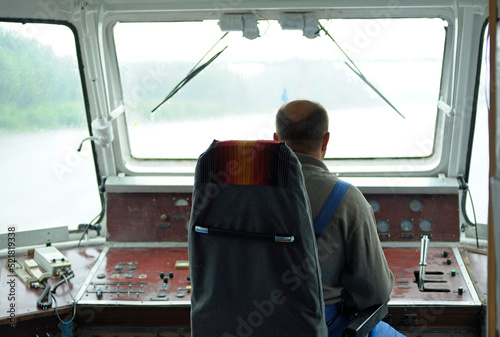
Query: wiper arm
{"points": [[361, 76], [192, 73], [358, 72]]}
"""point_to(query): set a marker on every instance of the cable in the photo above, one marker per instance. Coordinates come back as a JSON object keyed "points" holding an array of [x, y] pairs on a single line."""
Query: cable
{"points": [[91, 226], [474, 215], [57, 312], [99, 217], [65, 279], [63, 276], [45, 295], [465, 188], [466, 191]]}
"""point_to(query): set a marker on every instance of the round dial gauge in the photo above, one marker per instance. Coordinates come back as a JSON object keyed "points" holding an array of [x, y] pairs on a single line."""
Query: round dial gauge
{"points": [[375, 205], [406, 225], [383, 226], [415, 205], [426, 225]]}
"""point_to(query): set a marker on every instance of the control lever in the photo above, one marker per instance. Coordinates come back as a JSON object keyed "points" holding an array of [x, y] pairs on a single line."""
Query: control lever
{"points": [[424, 246]]}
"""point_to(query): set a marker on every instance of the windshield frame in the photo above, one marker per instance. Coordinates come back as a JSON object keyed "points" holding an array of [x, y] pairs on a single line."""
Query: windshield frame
{"points": [[406, 166]]}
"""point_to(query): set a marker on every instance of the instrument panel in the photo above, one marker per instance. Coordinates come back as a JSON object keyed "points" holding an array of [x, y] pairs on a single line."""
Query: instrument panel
{"points": [[139, 280], [446, 279], [139, 275], [164, 217]]}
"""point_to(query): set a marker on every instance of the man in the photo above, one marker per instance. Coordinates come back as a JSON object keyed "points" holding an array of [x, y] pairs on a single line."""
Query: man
{"points": [[355, 274]]}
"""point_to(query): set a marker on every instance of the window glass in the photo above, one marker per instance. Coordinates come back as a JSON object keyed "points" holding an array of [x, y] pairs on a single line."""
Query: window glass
{"points": [[45, 181], [238, 94]]}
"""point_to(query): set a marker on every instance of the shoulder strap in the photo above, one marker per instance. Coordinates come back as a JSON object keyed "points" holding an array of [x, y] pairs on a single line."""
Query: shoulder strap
{"points": [[330, 206]]}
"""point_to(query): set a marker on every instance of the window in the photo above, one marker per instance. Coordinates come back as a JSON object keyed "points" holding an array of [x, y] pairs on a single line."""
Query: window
{"points": [[45, 181], [238, 94], [479, 162]]}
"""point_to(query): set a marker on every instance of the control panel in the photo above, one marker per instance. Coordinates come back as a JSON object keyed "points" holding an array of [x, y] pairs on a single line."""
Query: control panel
{"points": [[399, 217], [445, 279], [131, 275], [146, 217], [406, 218]]}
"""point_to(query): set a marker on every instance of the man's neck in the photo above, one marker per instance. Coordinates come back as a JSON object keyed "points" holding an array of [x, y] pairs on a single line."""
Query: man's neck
{"points": [[316, 154]]}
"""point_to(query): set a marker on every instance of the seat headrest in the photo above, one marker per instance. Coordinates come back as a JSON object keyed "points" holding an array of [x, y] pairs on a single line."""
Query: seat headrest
{"points": [[259, 162]]}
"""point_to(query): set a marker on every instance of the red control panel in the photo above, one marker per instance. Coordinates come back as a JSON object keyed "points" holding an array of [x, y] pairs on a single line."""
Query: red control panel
{"points": [[153, 274], [146, 217], [445, 278]]}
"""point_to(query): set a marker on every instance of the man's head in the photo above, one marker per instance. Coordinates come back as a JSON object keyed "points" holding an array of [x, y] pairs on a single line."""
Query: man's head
{"points": [[303, 125]]}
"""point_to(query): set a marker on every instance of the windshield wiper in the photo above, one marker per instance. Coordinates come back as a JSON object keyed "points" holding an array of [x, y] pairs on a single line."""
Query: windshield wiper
{"points": [[358, 72], [192, 73]]}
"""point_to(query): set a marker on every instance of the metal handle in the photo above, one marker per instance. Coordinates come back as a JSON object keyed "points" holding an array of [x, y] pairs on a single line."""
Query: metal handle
{"points": [[424, 247]]}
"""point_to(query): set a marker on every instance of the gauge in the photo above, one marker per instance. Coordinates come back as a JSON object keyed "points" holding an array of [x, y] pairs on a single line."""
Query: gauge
{"points": [[374, 205], [181, 202], [383, 226], [406, 225], [415, 205], [426, 225]]}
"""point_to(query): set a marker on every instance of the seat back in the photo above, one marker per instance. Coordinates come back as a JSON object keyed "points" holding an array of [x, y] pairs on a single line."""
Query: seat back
{"points": [[252, 249]]}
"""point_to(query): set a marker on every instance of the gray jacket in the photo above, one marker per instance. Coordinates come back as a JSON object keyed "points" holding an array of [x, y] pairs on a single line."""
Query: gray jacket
{"points": [[353, 265]]}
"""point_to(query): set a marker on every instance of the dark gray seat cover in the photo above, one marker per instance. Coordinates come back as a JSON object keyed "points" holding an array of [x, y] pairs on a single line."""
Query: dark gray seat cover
{"points": [[246, 285]]}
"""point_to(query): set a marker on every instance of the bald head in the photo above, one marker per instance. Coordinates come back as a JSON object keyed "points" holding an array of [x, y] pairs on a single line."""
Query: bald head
{"points": [[303, 125]]}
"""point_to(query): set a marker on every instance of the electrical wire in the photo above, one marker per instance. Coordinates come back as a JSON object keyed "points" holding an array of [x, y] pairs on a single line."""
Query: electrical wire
{"points": [[98, 218], [45, 294], [466, 192], [73, 303], [465, 188], [474, 215], [91, 223], [71, 275]]}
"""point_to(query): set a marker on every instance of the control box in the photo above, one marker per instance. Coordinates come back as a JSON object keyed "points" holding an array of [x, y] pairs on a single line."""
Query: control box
{"points": [[51, 260]]}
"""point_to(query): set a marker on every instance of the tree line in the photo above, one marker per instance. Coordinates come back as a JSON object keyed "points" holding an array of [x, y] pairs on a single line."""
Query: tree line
{"points": [[38, 89], [41, 90]]}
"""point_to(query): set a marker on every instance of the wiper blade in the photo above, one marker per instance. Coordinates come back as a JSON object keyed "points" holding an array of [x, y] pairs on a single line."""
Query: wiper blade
{"points": [[358, 72], [362, 77], [192, 73]]}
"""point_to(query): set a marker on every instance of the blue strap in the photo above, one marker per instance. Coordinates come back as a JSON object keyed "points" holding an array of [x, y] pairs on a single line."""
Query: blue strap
{"points": [[330, 206]]}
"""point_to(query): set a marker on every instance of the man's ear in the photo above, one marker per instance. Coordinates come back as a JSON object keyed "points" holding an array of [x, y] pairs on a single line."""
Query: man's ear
{"points": [[326, 138], [275, 137]]}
